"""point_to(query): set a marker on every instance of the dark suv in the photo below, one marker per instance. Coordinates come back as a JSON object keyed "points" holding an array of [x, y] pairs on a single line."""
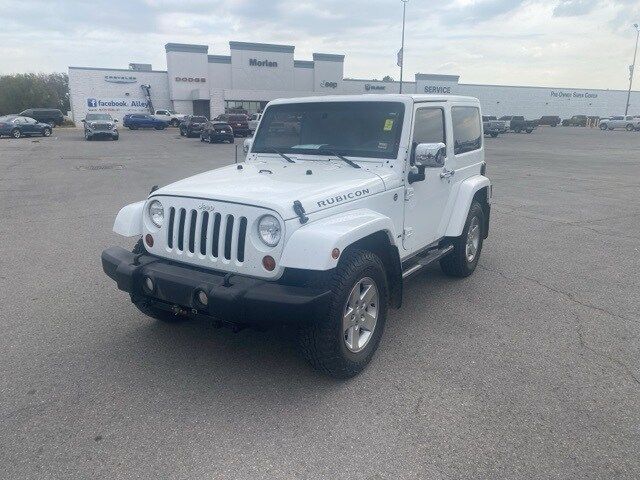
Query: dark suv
{"points": [[52, 116], [192, 126], [575, 121], [551, 120], [239, 123]]}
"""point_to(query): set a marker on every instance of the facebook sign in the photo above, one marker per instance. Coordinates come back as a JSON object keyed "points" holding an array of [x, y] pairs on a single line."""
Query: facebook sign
{"points": [[92, 102]]}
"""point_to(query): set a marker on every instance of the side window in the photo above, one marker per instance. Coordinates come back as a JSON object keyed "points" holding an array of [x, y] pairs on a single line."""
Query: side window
{"points": [[429, 126], [467, 129]]}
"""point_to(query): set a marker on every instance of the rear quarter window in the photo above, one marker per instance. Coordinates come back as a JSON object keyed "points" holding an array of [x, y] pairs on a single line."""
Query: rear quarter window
{"points": [[467, 129]]}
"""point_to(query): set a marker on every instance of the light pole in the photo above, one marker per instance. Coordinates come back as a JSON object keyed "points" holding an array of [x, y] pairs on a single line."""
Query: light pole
{"points": [[631, 69], [401, 53]]}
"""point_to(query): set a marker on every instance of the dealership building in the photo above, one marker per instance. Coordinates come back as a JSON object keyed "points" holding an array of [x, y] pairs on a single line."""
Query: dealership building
{"points": [[196, 82]]}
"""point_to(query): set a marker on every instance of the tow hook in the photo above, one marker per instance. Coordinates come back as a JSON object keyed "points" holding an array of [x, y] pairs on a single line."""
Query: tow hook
{"points": [[182, 312]]}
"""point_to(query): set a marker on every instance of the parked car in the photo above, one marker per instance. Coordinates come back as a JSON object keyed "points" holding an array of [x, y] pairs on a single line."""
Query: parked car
{"points": [[100, 125], [491, 127], [575, 121], [135, 121], [550, 120], [254, 121], [52, 116], [192, 127], [17, 126], [503, 126], [629, 123], [217, 131], [285, 238], [170, 116], [238, 122], [518, 124]]}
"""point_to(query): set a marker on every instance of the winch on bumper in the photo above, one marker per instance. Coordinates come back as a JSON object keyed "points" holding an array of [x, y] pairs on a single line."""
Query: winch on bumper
{"points": [[229, 297]]}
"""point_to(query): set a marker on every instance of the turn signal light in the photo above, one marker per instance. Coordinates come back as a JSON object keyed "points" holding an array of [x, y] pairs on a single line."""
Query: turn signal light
{"points": [[268, 263], [149, 239], [335, 253]]}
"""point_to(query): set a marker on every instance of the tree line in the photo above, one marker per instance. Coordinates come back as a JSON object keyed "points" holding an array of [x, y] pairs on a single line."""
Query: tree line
{"points": [[33, 90]]}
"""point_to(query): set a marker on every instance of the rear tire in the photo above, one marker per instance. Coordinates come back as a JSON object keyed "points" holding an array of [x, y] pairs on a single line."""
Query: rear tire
{"points": [[603, 126], [630, 127], [462, 261], [16, 133], [341, 341], [46, 132]]}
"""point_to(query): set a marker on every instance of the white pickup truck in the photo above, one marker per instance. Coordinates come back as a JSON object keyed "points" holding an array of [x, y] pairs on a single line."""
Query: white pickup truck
{"points": [[339, 201], [170, 117]]}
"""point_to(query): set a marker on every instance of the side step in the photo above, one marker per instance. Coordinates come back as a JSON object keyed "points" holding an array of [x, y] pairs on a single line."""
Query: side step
{"points": [[428, 259]]}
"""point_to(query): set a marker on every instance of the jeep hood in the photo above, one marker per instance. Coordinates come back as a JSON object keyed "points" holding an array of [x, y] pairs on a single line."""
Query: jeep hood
{"points": [[275, 184]]}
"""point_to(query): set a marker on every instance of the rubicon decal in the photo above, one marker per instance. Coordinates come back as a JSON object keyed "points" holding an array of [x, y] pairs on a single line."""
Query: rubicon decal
{"points": [[343, 198]]}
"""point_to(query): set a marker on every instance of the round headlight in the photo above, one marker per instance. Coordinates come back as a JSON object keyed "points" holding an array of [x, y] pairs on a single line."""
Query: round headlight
{"points": [[156, 213], [269, 230]]}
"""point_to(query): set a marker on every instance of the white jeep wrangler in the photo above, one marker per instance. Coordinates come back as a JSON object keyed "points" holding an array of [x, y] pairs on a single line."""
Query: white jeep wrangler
{"points": [[340, 199]]}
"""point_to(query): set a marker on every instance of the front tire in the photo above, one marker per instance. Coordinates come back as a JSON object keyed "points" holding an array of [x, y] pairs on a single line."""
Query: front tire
{"points": [[46, 132], [342, 341], [175, 122], [462, 261], [15, 133], [630, 127], [603, 126]]}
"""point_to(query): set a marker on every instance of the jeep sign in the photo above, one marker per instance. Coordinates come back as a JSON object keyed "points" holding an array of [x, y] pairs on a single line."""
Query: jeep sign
{"points": [[262, 63], [326, 84]]}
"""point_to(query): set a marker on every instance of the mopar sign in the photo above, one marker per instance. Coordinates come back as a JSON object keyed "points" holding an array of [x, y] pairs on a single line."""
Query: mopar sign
{"points": [[116, 104], [369, 86]]}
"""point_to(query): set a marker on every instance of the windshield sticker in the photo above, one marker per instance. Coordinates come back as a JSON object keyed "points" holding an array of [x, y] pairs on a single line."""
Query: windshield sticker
{"points": [[388, 125], [309, 146], [382, 145]]}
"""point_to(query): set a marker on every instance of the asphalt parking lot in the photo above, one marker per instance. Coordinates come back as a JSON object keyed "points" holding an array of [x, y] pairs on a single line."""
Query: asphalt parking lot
{"points": [[530, 368]]}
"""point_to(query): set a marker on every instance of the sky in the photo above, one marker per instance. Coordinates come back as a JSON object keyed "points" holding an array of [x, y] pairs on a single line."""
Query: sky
{"points": [[563, 43]]}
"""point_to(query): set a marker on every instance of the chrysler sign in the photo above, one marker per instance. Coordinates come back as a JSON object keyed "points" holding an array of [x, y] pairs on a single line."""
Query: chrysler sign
{"points": [[120, 79]]}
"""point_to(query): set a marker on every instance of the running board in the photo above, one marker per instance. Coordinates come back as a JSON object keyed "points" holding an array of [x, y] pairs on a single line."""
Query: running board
{"points": [[428, 259]]}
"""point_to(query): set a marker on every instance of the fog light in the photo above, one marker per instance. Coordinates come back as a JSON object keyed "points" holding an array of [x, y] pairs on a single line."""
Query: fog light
{"points": [[149, 239], [149, 285], [268, 263], [203, 299]]}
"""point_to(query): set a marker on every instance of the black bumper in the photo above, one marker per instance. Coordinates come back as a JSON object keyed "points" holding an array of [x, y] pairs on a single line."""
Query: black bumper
{"points": [[239, 299]]}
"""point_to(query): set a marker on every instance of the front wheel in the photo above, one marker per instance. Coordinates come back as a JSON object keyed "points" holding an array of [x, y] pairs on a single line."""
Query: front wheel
{"points": [[344, 338], [603, 126], [16, 133], [87, 136], [175, 122], [462, 261], [494, 135], [46, 132], [630, 127]]}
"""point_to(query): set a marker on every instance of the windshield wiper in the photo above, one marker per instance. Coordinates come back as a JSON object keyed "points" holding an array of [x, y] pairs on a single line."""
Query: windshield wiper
{"points": [[341, 157], [287, 158]]}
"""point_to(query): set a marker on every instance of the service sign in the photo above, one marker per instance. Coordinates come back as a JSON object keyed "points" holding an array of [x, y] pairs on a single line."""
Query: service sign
{"points": [[125, 105]]}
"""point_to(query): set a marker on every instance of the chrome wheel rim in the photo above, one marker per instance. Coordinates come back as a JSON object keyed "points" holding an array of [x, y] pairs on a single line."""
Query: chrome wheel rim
{"points": [[473, 239], [360, 314], [16, 134]]}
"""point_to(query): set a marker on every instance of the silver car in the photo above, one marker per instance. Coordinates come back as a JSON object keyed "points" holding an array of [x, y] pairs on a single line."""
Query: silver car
{"points": [[100, 125], [629, 122]]}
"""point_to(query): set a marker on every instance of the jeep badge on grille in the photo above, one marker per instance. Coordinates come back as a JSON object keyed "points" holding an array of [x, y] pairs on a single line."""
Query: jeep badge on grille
{"points": [[206, 208]]}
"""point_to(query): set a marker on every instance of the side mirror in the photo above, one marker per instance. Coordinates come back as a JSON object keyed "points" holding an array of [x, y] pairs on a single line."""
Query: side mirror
{"points": [[426, 155], [115, 120], [83, 120], [246, 146]]}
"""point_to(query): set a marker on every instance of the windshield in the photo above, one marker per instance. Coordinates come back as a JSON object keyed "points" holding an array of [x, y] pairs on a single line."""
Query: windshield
{"points": [[198, 119], [98, 116], [7, 118], [361, 129]]}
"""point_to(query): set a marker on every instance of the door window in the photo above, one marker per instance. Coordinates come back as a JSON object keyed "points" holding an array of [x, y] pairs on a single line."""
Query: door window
{"points": [[428, 127], [467, 129]]}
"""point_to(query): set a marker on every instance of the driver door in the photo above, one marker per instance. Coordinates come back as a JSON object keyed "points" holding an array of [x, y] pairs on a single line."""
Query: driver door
{"points": [[426, 201]]}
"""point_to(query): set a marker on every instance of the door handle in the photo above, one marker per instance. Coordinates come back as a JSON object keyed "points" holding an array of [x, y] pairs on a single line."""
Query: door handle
{"points": [[447, 173]]}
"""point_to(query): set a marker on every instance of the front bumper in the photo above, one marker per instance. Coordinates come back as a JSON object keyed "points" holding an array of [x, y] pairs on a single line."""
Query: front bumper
{"points": [[232, 298], [102, 133], [218, 136]]}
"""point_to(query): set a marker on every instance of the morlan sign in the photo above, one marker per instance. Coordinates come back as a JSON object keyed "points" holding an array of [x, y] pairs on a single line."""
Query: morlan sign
{"points": [[262, 63]]}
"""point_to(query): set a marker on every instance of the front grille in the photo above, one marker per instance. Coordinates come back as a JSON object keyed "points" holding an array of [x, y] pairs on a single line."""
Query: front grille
{"points": [[213, 234], [101, 127]]}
